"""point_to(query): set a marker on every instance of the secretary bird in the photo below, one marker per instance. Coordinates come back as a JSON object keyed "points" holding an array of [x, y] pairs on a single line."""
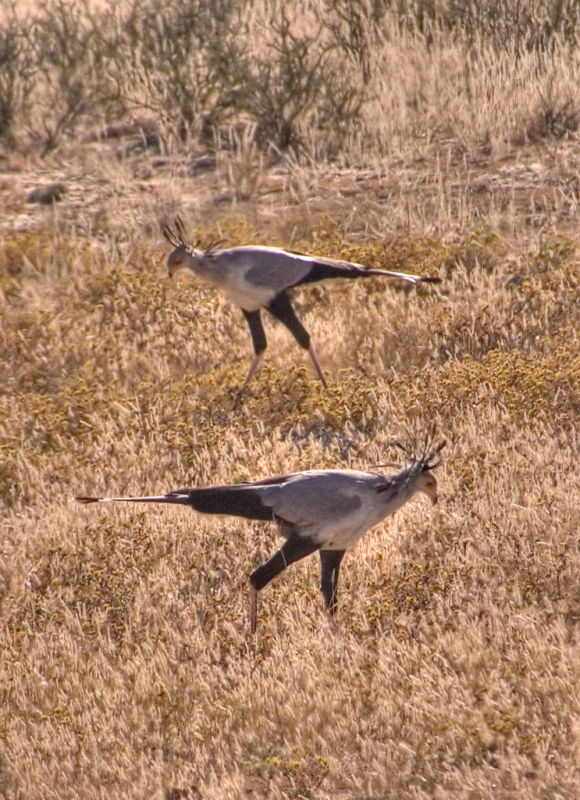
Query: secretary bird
{"points": [[256, 277], [324, 510]]}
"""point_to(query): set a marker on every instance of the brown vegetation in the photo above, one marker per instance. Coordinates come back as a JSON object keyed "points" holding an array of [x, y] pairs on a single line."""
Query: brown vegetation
{"points": [[126, 667]]}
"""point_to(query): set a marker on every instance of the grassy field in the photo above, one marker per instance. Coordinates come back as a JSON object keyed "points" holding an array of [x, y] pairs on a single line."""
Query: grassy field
{"points": [[126, 665]]}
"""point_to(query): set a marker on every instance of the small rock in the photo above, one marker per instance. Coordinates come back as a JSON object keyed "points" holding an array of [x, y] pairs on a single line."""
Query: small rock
{"points": [[201, 164], [514, 280], [46, 195]]}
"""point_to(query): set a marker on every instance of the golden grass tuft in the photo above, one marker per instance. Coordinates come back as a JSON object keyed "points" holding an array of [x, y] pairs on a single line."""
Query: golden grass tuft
{"points": [[127, 666]]}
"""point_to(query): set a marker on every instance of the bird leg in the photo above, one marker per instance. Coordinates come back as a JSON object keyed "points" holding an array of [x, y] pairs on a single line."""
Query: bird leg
{"points": [[253, 609], [317, 367], [252, 371], [281, 308], [293, 549], [329, 569], [258, 340]]}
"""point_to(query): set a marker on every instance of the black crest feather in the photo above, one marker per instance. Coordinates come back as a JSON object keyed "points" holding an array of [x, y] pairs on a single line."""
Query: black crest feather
{"points": [[421, 450], [176, 237]]}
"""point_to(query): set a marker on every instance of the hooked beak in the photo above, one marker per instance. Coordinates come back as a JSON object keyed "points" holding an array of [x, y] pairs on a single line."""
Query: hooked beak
{"points": [[431, 492], [174, 264]]}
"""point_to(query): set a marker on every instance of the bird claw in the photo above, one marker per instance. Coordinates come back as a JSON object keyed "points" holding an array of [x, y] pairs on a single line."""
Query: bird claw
{"points": [[317, 366], [251, 372], [333, 625]]}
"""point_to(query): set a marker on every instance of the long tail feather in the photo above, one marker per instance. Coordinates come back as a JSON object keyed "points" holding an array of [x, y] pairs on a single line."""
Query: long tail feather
{"points": [[238, 500], [404, 276], [323, 269], [183, 499]]}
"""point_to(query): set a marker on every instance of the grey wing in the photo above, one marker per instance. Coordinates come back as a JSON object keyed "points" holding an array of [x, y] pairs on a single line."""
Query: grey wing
{"points": [[284, 269], [277, 269], [310, 500]]}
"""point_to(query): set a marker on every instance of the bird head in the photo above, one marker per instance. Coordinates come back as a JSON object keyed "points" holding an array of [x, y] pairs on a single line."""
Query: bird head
{"points": [[182, 255], [178, 257], [177, 260], [422, 460], [427, 483]]}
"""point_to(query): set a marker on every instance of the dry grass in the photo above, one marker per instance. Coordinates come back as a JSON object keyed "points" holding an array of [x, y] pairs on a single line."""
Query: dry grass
{"points": [[126, 667], [342, 81]]}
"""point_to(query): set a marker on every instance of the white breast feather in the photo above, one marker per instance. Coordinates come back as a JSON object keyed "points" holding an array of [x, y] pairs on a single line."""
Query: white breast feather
{"points": [[245, 294]]}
